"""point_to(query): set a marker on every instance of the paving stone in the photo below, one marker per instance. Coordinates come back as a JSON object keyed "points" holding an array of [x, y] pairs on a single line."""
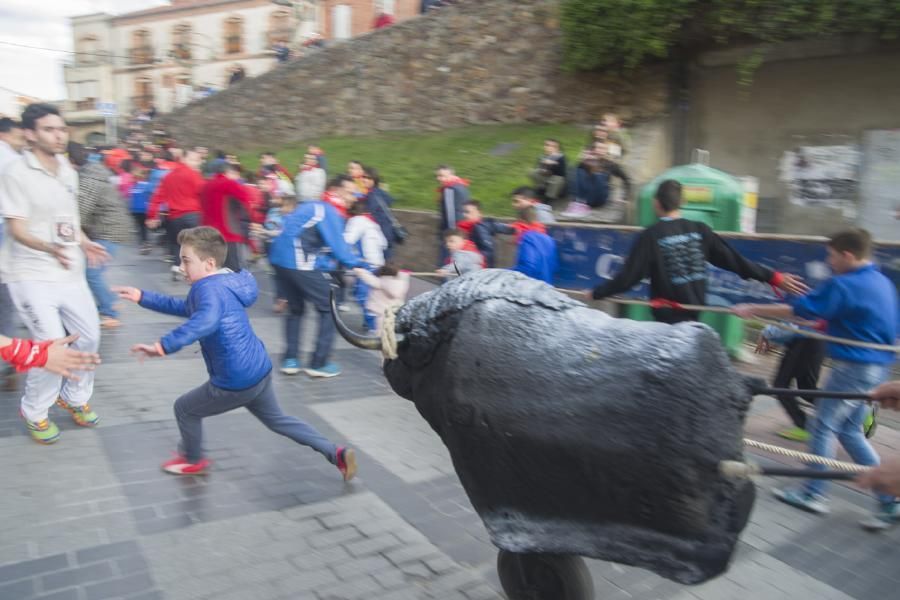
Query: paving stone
{"points": [[28, 568], [118, 588], [68, 594], [24, 588], [390, 430], [73, 577]]}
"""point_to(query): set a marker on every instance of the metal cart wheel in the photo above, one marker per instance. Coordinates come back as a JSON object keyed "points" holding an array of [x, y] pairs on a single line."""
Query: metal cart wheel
{"points": [[544, 576]]}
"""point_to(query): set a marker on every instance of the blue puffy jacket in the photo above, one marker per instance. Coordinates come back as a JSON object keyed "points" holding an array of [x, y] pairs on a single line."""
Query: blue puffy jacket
{"points": [[537, 256], [235, 358]]}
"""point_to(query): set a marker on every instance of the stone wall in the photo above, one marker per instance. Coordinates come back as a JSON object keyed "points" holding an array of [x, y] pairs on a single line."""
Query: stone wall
{"points": [[480, 62]]}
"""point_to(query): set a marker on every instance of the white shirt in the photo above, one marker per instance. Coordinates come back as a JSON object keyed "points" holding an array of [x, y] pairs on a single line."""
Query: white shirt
{"points": [[365, 235], [7, 155], [48, 204], [310, 184]]}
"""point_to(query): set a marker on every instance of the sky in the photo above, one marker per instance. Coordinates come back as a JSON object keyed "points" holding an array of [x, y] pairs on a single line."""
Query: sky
{"points": [[44, 23]]}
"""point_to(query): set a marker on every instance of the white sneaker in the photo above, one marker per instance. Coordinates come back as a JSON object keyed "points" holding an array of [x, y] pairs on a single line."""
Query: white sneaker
{"points": [[576, 210]]}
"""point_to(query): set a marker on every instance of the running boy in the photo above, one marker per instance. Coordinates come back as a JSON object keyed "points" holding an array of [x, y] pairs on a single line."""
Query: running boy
{"points": [[859, 303], [240, 373], [674, 252]]}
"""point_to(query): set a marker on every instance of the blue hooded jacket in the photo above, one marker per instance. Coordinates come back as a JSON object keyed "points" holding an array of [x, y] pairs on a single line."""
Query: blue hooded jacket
{"points": [[235, 358], [858, 305], [537, 256], [312, 239]]}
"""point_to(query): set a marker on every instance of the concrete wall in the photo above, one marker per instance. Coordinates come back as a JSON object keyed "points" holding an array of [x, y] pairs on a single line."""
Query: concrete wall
{"points": [[420, 252], [821, 96], [476, 62]]}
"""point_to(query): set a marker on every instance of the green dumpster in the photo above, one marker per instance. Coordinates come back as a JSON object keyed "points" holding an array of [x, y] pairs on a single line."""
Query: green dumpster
{"points": [[712, 197]]}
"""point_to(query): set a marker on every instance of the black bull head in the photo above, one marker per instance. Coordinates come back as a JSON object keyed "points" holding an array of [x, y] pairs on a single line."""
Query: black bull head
{"points": [[574, 432]]}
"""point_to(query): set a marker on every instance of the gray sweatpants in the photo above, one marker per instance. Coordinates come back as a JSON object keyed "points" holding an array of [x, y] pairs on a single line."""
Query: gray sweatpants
{"points": [[208, 400]]}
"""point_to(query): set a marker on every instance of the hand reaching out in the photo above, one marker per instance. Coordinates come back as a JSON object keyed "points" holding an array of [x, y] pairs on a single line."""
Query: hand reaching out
{"points": [[63, 360], [96, 253], [147, 351], [131, 294], [888, 394], [793, 284]]}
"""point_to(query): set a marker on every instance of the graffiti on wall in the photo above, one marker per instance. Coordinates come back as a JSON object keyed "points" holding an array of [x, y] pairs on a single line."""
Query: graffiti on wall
{"points": [[825, 176]]}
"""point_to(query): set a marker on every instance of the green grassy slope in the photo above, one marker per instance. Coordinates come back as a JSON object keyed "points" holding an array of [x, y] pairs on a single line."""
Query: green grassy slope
{"points": [[406, 161]]}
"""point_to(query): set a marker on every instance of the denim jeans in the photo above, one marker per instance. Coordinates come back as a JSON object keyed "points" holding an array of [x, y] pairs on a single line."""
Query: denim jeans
{"points": [[176, 226], [97, 282], [208, 400], [842, 420], [591, 188], [301, 287], [361, 294]]}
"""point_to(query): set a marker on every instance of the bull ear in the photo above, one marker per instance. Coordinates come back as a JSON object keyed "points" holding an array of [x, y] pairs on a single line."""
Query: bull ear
{"points": [[366, 342]]}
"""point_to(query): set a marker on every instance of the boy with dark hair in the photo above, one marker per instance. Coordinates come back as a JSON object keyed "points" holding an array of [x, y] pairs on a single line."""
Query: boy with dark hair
{"points": [[549, 176], [673, 253], [481, 230], [240, 373], [463, 257], [523, 197], [858, 303], [536, 254]]}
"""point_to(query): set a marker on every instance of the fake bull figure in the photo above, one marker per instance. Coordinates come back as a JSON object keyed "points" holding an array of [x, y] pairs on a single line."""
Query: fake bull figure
{"points": [[575, 433]]}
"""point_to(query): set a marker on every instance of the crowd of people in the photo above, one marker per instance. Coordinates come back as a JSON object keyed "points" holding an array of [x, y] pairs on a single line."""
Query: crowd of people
{"points": [[67, 209]]}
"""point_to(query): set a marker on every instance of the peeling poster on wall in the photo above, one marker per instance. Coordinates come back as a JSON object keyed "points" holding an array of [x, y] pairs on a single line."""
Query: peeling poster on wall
{"points": [[825, 176]]}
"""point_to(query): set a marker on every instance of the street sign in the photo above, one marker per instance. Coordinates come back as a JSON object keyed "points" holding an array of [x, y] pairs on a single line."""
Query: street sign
{"points": [[107, 109]]}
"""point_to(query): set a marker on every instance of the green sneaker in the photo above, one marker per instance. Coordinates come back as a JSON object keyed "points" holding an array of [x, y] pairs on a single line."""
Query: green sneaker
{"points": [[885, 517], [870, 425], [795, 434], [82, 415], [43, 432]]}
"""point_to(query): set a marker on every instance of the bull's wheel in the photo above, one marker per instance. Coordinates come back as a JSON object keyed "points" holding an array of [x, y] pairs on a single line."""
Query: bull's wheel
{"points": [[544, 576]]}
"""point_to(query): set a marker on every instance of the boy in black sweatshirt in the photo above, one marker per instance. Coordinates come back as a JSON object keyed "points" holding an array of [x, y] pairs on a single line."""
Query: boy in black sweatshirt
{"points": [[674, 252]]}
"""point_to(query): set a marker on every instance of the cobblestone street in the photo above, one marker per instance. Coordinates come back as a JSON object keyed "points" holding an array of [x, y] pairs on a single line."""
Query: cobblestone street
{"points": [[93, 517]]}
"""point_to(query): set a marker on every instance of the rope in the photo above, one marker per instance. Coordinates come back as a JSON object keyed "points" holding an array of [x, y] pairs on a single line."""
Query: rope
{"points": [[725, 310], [660, 303], [805, 457], [388, 335]]}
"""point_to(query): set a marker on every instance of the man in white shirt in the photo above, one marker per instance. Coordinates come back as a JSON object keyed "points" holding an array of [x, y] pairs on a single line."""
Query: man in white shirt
{"points": [[42, 262], [12, 142]]}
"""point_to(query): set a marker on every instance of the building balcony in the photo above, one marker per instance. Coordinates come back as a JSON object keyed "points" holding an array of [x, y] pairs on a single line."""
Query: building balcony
{"points": [[234, 44], [141, 55], [143, 101], [181, 52], [86, 104]]}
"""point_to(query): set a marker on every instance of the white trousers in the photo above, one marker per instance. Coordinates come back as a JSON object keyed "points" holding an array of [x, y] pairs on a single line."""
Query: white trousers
{"points": [[50, 310]]}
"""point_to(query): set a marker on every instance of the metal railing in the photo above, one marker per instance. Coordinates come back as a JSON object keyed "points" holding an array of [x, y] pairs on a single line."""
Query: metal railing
{"points": [[283, 33], [234, 44], [181, 51], [141, 55], [143, 101]]}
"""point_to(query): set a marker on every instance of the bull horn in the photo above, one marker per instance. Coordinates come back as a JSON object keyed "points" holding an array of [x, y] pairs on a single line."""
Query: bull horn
{"points": [[366, 342]]}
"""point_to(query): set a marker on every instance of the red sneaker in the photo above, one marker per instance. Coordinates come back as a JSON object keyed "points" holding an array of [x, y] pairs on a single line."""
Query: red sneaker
{"points": [[179, 465], [346, 462]]}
